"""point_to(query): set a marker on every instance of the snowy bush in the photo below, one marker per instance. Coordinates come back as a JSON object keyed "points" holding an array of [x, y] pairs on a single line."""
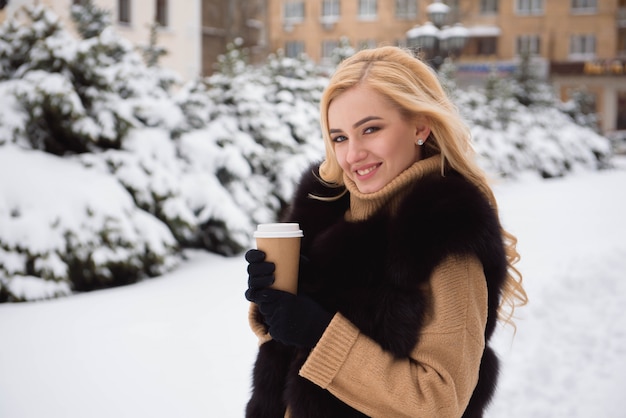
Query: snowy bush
{"points": [[581, 108], [255, 129], [149, 170], [175, 181], [89, 19], [66, 228], [139, 172], [74, 98], [514, 132], [80, 95], [527, 86]]}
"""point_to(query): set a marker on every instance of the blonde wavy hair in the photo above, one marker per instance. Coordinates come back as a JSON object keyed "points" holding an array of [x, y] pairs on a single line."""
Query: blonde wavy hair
{"points": [[414, 88]]}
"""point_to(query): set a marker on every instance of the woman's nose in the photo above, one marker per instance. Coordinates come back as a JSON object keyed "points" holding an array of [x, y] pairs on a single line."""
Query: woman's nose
{"points": [[356, 152]]}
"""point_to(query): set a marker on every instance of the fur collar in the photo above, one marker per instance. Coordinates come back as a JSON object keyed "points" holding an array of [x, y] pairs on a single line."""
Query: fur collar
{"points": [[372, 271]]}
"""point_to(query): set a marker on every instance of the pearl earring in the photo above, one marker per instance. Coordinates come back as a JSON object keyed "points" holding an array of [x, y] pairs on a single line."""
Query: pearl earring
{"points": [[420, 142]]}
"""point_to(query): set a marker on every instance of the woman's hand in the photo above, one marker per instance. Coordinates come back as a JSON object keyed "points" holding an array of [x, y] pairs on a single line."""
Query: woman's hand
{"points": [[292, 320], [260, 272]]}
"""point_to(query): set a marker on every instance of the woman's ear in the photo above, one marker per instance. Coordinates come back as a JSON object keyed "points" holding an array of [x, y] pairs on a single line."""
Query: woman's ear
{"points": [[422, 130]]}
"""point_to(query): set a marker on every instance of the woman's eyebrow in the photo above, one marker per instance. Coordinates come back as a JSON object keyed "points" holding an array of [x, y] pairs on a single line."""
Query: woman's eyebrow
{"points": [[358, 123], [365, 120]]}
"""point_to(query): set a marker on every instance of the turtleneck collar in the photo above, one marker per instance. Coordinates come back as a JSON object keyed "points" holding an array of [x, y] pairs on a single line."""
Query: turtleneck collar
{"points": [[364, 205]]}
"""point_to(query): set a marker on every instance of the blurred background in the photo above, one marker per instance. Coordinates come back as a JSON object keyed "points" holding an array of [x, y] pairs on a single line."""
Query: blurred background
{"points": [[578, 45], [200, 116]]}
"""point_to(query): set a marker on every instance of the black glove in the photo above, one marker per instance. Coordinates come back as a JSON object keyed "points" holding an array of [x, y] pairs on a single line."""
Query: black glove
{"points": [[292, 320], [260, 272]]}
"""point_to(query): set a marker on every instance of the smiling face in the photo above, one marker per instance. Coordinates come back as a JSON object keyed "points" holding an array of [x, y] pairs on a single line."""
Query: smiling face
{"points": [[373, 141]]}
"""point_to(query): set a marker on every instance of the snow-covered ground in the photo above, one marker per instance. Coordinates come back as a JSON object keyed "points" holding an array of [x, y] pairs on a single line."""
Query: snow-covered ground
{"points": [[179, 346]]}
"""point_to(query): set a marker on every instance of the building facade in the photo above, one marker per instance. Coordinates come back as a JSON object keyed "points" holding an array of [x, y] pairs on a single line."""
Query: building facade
{"points": [[223, 21], [577, 44], [178, 34], [194, 33]]}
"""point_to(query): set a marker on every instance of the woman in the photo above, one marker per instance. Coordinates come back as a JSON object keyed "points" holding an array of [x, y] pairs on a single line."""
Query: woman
{"points": [[405, 266]]}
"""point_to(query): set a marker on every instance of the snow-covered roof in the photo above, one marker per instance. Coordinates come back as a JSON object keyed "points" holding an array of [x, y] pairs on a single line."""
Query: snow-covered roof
{"points": [[457, 30], [427, 29], [437, 7]]}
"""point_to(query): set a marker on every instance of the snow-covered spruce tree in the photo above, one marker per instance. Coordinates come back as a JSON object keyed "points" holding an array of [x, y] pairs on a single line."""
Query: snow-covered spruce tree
{"points": [[72, 229], [78, 97], [235, 61], [565, 146], [581, 107], [528, 87], [500, 100], [56, 86], [217, 181], [100, 90], [278, 110], [296, 86], [153, 52], [137, 82], [260, 129], [447, 77], [344, 50], [517, 125], [89, 19], [511, 137], [196, 106]]}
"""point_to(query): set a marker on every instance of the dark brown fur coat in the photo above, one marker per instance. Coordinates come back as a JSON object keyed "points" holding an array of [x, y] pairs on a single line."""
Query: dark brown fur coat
{"points": [[371, 272]]}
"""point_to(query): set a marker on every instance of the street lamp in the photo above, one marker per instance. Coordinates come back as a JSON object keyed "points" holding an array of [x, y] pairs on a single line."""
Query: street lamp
{"points": [[436, 40], [424, 37], [453, 39], [438, 12]]}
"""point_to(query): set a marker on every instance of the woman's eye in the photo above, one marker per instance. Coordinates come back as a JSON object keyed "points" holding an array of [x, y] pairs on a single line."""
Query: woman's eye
{"points": [[339, 138], [371, 129]]}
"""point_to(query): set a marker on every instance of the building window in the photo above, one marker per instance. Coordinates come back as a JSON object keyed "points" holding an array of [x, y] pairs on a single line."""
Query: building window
{"points": [[328, 47], [330, 10], [486, 46], [528, 44], [406, 9], [584, 6], [294, 11], [529, 7], [582, 47], [488, 6], [293, 49], [367, 9], [162, 12], [123, 10]]}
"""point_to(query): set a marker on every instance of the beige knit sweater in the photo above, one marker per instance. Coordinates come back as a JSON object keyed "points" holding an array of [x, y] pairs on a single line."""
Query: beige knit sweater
{"points": [[438, 378]]}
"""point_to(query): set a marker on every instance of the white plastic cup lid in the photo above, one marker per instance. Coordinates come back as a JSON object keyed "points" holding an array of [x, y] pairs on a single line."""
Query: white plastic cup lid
{"points": [[278, 230]]}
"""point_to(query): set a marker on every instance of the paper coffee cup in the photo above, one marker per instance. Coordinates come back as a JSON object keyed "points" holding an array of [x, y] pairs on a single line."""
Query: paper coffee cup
{"points": [[281, 244]]}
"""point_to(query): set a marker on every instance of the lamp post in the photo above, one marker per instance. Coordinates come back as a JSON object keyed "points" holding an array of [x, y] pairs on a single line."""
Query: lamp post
{"points": [[453, 39], [438, 12], [434, 39]]}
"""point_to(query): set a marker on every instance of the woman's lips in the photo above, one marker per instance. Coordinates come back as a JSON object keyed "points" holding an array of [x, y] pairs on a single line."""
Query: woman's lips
{"points": [[365, 172]]}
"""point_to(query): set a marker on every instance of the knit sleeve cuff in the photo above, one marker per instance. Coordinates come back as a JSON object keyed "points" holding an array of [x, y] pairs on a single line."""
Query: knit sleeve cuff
{"points": [[326, 359], [257, 325]]}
